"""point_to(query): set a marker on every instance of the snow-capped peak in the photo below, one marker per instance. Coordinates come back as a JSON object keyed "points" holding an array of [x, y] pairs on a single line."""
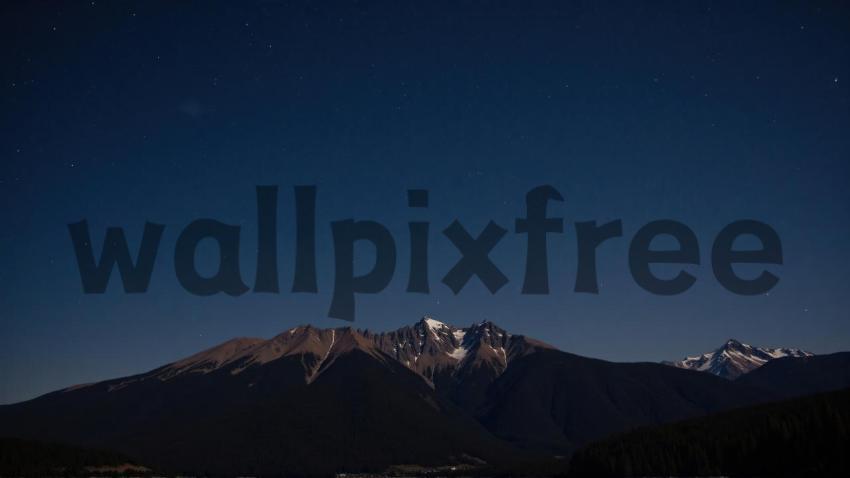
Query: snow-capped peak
{"points": [[429, 347], [735, 358], [433, 324]]}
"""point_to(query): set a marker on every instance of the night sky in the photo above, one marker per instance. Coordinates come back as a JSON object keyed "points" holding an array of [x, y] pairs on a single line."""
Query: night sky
{"points": [[702, 112]]}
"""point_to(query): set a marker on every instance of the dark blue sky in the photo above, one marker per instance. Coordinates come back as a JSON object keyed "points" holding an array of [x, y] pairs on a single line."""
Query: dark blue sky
{"points": [[703, 112]]}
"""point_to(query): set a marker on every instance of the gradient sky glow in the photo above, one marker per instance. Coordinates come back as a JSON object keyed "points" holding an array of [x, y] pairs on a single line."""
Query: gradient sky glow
{"points": [[703, 112]]}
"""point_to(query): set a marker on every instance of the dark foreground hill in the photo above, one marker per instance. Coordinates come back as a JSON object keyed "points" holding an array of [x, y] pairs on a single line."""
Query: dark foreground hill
{"points": [[36, 459], [802, 437]]}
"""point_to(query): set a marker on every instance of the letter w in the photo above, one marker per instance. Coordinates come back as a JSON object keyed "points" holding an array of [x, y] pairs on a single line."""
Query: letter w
{"points": [[95, 276]]}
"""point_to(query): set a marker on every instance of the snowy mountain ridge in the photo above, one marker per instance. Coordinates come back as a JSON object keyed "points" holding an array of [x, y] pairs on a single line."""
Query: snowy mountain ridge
{"points": [[735, 358], [428, 347]]}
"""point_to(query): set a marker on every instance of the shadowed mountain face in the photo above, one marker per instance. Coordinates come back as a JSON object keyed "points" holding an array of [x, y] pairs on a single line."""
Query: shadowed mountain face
{"points": [[557, 401], [460, 363], [796, 377], [315, 401], [734, 359]]}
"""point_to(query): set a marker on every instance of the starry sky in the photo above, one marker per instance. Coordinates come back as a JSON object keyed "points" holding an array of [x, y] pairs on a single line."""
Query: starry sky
{"points": [[702, 112]]}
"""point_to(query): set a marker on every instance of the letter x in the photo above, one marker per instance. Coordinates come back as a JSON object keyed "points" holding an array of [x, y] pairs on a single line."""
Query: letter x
{"points": [[475, 258]]}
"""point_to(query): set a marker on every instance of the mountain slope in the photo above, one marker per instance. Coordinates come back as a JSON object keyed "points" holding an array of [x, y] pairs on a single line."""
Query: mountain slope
{"points": [[461, 363], [362, 410], [734, 359], [795, 377], [557, 401]]}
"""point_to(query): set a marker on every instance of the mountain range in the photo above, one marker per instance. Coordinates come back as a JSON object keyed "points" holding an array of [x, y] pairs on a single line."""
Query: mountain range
{"points": [[313, 401], [733, 359]]}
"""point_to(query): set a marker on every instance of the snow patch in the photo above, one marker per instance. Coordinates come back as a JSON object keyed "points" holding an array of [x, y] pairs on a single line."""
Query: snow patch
{"points": [[434, 325], [458, 353]]}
